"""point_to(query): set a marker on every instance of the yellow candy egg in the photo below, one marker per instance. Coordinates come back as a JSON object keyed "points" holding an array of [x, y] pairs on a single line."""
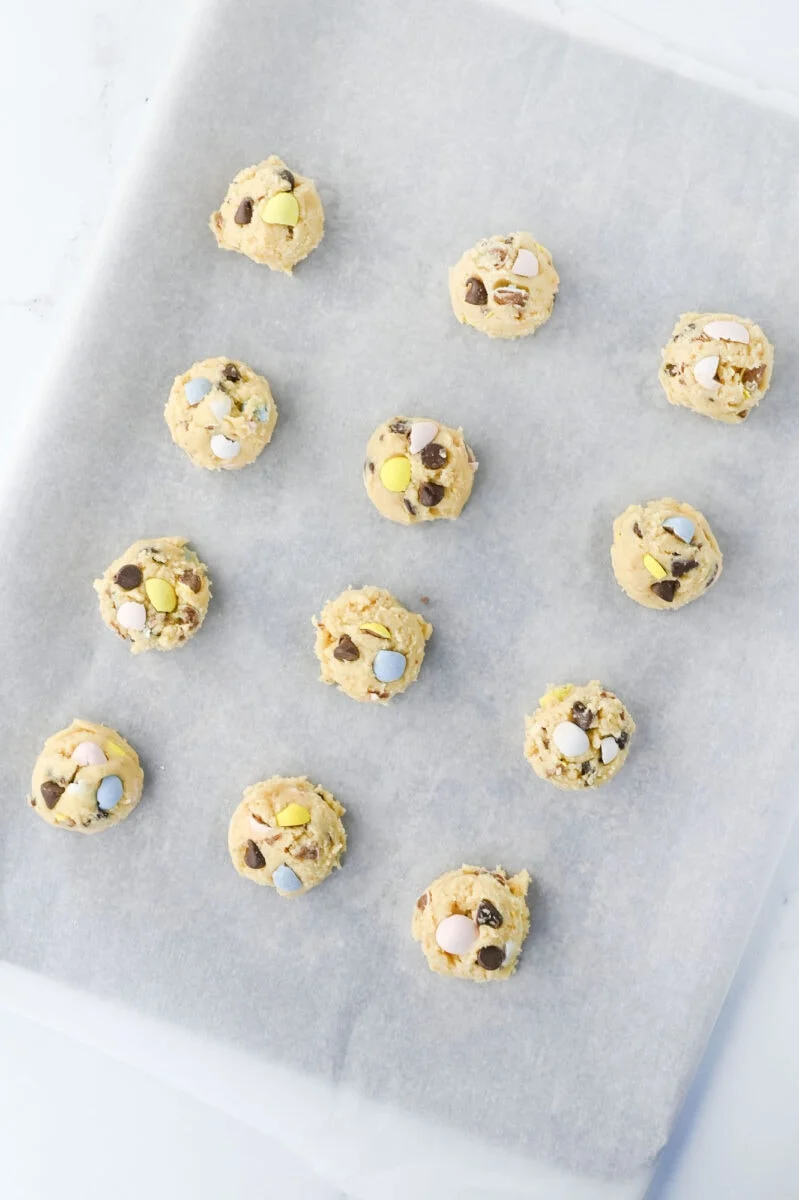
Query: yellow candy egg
{"points": [[280, 209], [161, 595], [293, 814], [654, 568], [376, 628], [395, 473], [114, 748]]}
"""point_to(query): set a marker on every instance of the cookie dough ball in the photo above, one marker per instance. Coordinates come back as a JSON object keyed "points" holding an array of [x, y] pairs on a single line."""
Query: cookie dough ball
{"points": [[271, 214], [87, 778], [417, 470], [578, 736], [717, 364], [287, 834], [472, 922], [369, 645], [221, 413], [664, 554], [504, 286], [155, 595]]}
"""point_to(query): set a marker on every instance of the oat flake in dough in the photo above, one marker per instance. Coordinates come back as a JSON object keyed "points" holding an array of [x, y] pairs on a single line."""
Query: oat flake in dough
{"points": [[87, 778], [504, 286], [579, 736], [653, 564], [717, 364], [221, 413], [418, 470]]}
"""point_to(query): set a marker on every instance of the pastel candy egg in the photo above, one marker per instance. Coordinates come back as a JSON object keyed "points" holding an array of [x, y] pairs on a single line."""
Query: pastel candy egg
{"points": [[727, 331], [262, 413], [570, 739], [132, 615], [376, 628], [280, 209], [395, 473], [285, 880], [608, 749], [681, 527], [224, 447], [220, 406], [705, 373], [654, 568], [109, 793], [456, 934], [117, 750], [195, 389], [161, 595], [88, 754], [526, 264], [422, 434], [293, 814], [389, 665]]}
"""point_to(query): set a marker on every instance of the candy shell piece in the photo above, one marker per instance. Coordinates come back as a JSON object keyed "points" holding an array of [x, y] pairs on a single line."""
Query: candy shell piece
{"points": [[705, 373], [132, 615], [654, 568], [88, 754], [285, 880], [220, 406], [422, 434], [280, 209], [456, 934], [293, 814], [109, 792], [570, 739], [116, 750], [389, 665], [161, 595], [681, 527], [526, 264], [195, 389], [375, 627], [727, 331], [395, 473], [224, 447], [608, 749]]}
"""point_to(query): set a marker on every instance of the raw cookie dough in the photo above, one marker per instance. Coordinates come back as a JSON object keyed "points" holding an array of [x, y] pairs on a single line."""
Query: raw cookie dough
{"points": [[271, 214], [417, 470], [287, 833], [717, 364], [504, 286], [664, 554], [369, 644], [579, 736], [155, 595], [491, 920], [221, 413], [87, 778]]}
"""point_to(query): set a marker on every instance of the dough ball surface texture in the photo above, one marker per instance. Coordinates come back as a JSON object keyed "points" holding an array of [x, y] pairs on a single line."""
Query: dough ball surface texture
{"points": [[221, 413], [504, 286], [418, 470], [87, 778], [717, 364], [579, 736], [664, 553]]}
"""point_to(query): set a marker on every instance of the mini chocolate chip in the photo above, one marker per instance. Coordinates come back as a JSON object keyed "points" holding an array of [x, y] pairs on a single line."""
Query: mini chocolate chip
{"points": [[128, 577], [431, 494], [244, 212], [400, 426], [307, 852], [476, 291], [665, 588], [587, 766], [753, 374], [253, 857], [288, 176], [371, 467], [681, 566], [231, 372], [491, 958], [346, 650], [409, 507], [499, 877], [434, 456], [581, 715], [191, 617], [51, 792], [637, 529], [670, 369], [487, 914], [192, 580], [423, 901], [622, 739], [744, 413]]}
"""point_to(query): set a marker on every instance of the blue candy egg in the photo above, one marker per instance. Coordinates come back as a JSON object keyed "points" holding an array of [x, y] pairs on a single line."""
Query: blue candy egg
{"points": [[195, 389], [389, 665], [681, 527], [285, 880], [109, 793]]}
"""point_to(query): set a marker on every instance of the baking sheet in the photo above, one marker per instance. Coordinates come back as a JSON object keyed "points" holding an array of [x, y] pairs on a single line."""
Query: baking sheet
{"points": [[426, 128]]}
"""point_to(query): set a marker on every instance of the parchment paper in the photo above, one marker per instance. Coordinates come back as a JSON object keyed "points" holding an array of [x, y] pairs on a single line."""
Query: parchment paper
{"points": [[426, 127]]}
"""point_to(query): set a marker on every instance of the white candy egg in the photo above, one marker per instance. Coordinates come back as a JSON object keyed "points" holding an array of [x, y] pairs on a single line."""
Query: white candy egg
{"points": [[705, 372], [223, 447], [456, 934], [571, 740], [526, 264], [609, 748], [728, 331]]}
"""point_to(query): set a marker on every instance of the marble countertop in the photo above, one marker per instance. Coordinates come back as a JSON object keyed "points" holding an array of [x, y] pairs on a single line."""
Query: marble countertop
{"points": [[78, 85]]}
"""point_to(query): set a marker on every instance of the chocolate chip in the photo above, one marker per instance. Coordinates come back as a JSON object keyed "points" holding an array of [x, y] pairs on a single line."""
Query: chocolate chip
{"points": [[346, 650], [637, 529], [681, 566], [487, 914], [744, 413], [400, 426], [192, 580], [51, 792], [128, 577], [409, 507], [288, 176], [712, 578], [191, 618], [491, 958], [670, 369], [431, 494], [244, 212], [587, 766], [581, 715], [476, 291], [753, 374], [665, 588], [307, 852], [622, 739], [253, 857], [434, 456], [423, 901], [510, 295], [371, 467], [503, 879], [231, 372]]}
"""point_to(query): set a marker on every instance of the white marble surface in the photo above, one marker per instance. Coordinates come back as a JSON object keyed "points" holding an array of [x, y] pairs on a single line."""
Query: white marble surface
{"points": [[77, 86]]}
